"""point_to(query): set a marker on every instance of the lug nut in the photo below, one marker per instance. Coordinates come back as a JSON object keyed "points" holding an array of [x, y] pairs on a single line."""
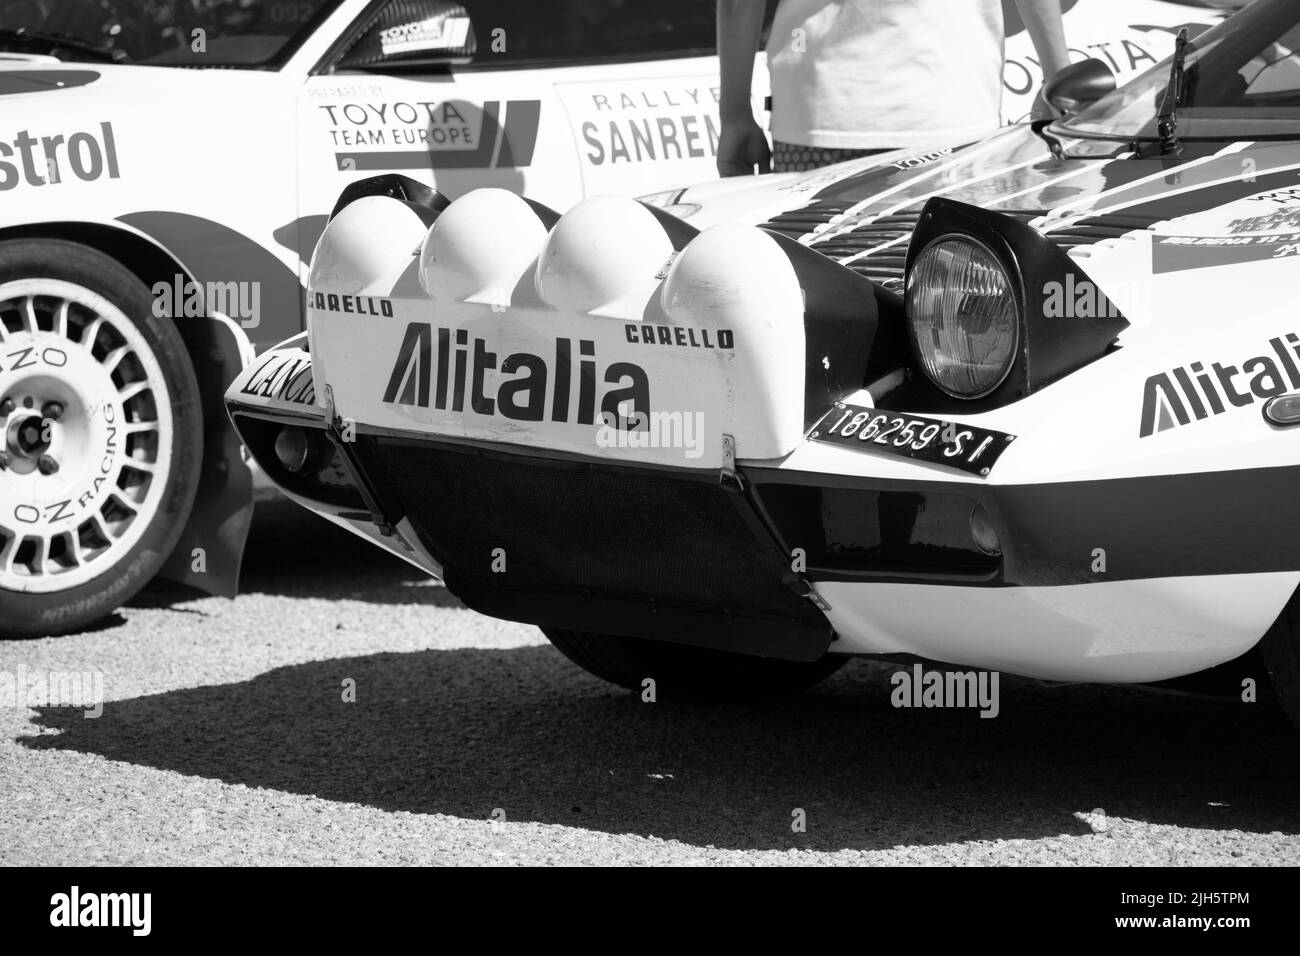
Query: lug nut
{"points": [[47, 465], [52, 410], [6, 406]]}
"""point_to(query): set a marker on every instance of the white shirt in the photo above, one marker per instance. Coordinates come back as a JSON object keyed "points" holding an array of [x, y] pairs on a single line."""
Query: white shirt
{"points": [[867, 74]]}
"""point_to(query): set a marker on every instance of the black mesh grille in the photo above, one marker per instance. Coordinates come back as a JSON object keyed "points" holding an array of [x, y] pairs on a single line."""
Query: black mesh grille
{"points": [[800, 222], [606, 531], [869, 235], [877, 248], [1094, 229]]}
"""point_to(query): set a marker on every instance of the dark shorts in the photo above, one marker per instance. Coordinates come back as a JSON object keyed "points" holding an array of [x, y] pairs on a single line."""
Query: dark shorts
{"points": [[793, 158]]}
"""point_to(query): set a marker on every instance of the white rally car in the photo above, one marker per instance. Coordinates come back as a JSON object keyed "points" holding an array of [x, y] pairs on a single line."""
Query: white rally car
{"points": [[1029, 405], [162, 162]]}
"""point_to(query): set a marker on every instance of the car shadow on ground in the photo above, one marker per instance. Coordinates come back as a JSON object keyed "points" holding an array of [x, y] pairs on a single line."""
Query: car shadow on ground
{"points": [[294, 553], [463, 732]]}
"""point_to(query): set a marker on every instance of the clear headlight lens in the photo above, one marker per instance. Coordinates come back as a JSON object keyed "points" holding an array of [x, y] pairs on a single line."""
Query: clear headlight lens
{"points": [[962, 316]]}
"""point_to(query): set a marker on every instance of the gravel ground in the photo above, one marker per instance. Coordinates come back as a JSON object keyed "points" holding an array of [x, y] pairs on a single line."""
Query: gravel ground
{"points": [[225, 739]]}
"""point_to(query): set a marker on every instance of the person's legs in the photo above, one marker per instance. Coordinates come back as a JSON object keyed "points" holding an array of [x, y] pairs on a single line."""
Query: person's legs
{"points": [[793, 158]]}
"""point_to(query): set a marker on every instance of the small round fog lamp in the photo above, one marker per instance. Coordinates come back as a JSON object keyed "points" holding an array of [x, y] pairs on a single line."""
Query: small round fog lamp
{"points": [[292, 449], [983, 532]]}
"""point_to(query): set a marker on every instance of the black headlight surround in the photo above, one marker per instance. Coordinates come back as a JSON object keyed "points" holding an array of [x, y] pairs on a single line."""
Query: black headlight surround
{"points": [[1049, 348]]}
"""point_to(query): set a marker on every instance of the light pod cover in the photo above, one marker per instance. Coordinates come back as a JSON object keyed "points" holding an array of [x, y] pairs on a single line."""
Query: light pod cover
{"points": [[736, 282], [366, 247], [603, 257], [479, 247], [732, 273]]}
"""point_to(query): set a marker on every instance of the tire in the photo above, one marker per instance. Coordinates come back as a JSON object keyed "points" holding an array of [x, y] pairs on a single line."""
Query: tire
{"points": [[101, 430], [689, 673], [1280, 649]]}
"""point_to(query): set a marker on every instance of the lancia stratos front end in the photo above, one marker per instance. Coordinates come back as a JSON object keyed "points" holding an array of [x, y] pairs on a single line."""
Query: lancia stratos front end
{"points": [[726, 446], [996, 407]]}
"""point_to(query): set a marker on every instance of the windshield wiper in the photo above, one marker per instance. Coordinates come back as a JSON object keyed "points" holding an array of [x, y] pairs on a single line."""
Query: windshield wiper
{"points": [[1167, 118], [49, 43]]}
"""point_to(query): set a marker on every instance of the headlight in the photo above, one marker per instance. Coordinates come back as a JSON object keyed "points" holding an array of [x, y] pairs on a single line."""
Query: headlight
{"points": [[962, 316]]}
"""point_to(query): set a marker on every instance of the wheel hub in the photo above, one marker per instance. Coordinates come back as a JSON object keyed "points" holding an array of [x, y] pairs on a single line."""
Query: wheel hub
{"points": [[27, 439]]}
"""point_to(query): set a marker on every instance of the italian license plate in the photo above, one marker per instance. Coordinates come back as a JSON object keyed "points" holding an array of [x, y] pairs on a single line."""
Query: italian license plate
{"points": [[964, 447]]}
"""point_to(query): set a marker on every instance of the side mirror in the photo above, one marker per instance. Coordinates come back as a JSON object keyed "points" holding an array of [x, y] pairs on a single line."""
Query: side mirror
{"points": [[413, 33], [1079, 85]]}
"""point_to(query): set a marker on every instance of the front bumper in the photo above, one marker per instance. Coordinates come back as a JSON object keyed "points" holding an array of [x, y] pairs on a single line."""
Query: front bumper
{"points": [[275, 393], [1118, 580]]}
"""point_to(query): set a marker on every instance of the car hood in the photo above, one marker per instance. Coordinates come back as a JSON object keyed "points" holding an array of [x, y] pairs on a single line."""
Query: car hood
{"points": [[1132, 219], [1009, 171]]}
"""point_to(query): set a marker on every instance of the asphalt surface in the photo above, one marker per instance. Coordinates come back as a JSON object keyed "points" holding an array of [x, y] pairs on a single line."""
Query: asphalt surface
{"points": [[226, 739]]}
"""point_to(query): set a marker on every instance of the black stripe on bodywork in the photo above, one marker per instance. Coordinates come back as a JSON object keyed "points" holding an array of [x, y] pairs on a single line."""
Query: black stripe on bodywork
{"points": [[38, 81], [1223, 522], [1117, 174], [837, 199], [216, 253], [1208, 197]]}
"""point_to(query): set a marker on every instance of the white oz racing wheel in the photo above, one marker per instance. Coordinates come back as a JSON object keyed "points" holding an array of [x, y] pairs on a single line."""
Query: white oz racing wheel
{"points": [[100, 436]]}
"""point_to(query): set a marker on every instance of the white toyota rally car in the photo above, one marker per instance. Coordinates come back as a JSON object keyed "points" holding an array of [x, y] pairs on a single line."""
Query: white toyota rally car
{"points": [[1029, 405], [164, 161]]}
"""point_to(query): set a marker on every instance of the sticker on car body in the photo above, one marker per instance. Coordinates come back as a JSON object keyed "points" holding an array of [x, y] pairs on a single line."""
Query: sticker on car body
{"points": [[436, 33], [432, 134], [280, 379]]}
